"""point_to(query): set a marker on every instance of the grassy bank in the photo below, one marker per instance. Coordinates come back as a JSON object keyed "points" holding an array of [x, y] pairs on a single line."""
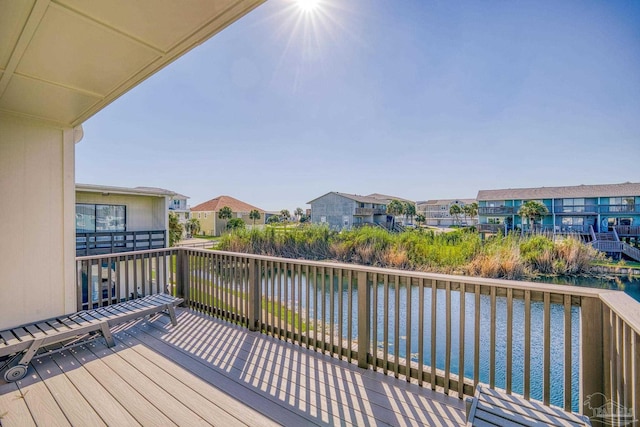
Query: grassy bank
{"points": [[458, 252]]}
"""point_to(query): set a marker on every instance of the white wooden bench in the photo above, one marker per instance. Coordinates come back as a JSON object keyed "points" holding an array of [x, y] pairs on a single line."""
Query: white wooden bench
{"points": [[22, 343], [493, 408]]}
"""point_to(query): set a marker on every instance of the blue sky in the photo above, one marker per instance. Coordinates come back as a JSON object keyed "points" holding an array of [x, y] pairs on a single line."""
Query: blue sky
{"points": [[419, 99]]}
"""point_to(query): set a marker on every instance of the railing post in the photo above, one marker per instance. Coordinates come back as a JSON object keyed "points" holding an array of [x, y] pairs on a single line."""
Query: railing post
{"points": [[182, 274], [364, 320], [592, 348], [254, 295]]}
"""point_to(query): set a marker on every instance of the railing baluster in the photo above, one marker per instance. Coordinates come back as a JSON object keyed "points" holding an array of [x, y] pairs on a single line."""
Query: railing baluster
{"points": [[272, 298], [476, 337], [350, 313], [618, 357], [375, 314], [447, 355], [626, 365], [509, 367], [396, 326], [285, 302], [434, 298], [567, 353], [420, 332], [332, 313], [340, 313], [527, 344], [408, 331], [492, 340], [461, 341], [546, 370], [315, 308], [299, 301], [324, 308], [635, 374], [308, 303], [385, 354], [143, 273], [127, 284]]}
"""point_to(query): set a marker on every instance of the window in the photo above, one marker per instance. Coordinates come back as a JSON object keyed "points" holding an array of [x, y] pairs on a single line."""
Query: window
{"points": [[93, 218], [621, 204], [323, 219], [345, 219], [572, 205], [495, 220]]}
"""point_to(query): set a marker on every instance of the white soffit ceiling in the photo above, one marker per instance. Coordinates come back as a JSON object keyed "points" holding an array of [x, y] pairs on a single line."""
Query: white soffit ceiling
{"points": [[64, 60]]}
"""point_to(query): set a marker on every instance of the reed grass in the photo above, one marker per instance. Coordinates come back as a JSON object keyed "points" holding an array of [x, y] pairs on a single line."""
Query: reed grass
{"points": [[459, 252]]}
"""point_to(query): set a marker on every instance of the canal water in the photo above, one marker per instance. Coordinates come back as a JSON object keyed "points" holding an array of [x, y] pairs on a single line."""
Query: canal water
{"points": [[558, 333]]}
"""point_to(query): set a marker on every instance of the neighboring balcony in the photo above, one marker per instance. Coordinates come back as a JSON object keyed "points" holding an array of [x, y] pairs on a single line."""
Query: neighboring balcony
{"points": [[490, 228], [110, 242], [497, 210], [623, 209], [369, 211], [577, 209]]}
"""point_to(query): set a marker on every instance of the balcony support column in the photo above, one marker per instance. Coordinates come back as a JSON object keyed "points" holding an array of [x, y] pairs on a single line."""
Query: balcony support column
{"points": [[364, 320]]}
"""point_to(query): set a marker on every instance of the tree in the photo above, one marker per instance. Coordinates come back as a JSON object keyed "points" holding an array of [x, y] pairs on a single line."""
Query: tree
{"points": [[298, 213], [285, 215], [193, 226], [420, 218], [532, 209], [254, 215], [455, 210], [235, 224], [472, 210], [273, 219], [395, 208], [225, 214], [409, 210], [175, 229]]}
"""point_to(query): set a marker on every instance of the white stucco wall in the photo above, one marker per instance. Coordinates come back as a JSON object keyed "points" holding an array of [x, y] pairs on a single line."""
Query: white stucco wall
{"points": [[37, 254]]}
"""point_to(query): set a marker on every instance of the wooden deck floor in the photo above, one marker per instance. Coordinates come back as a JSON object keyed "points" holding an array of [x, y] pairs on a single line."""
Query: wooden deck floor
{"points": [[209, 372]]}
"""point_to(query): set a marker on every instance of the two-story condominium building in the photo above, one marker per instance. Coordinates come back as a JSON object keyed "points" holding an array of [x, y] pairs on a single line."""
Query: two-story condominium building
{"points": [[574, 209], [118, 219], [207, 214], [344, 211], [436, 212]]}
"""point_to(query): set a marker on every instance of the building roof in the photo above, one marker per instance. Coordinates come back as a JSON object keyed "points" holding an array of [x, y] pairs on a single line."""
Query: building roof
{"points": [[174, 194], [388, 198], [355, 197], [142, 191], [214, 205], [579, 191], [446, 201]]}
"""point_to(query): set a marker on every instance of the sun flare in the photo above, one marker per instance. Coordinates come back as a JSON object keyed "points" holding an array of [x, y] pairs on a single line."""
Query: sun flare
{"points": [[308, 5]]}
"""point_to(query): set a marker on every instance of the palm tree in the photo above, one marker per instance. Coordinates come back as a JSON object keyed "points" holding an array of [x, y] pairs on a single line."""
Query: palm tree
{"points": [[298, 213], [409, 210], [193, 226], [254, 215], [395, 208], [472, 210], [532, 209], [225, 213], [455, 210], [175, 229], [420, 218]]}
